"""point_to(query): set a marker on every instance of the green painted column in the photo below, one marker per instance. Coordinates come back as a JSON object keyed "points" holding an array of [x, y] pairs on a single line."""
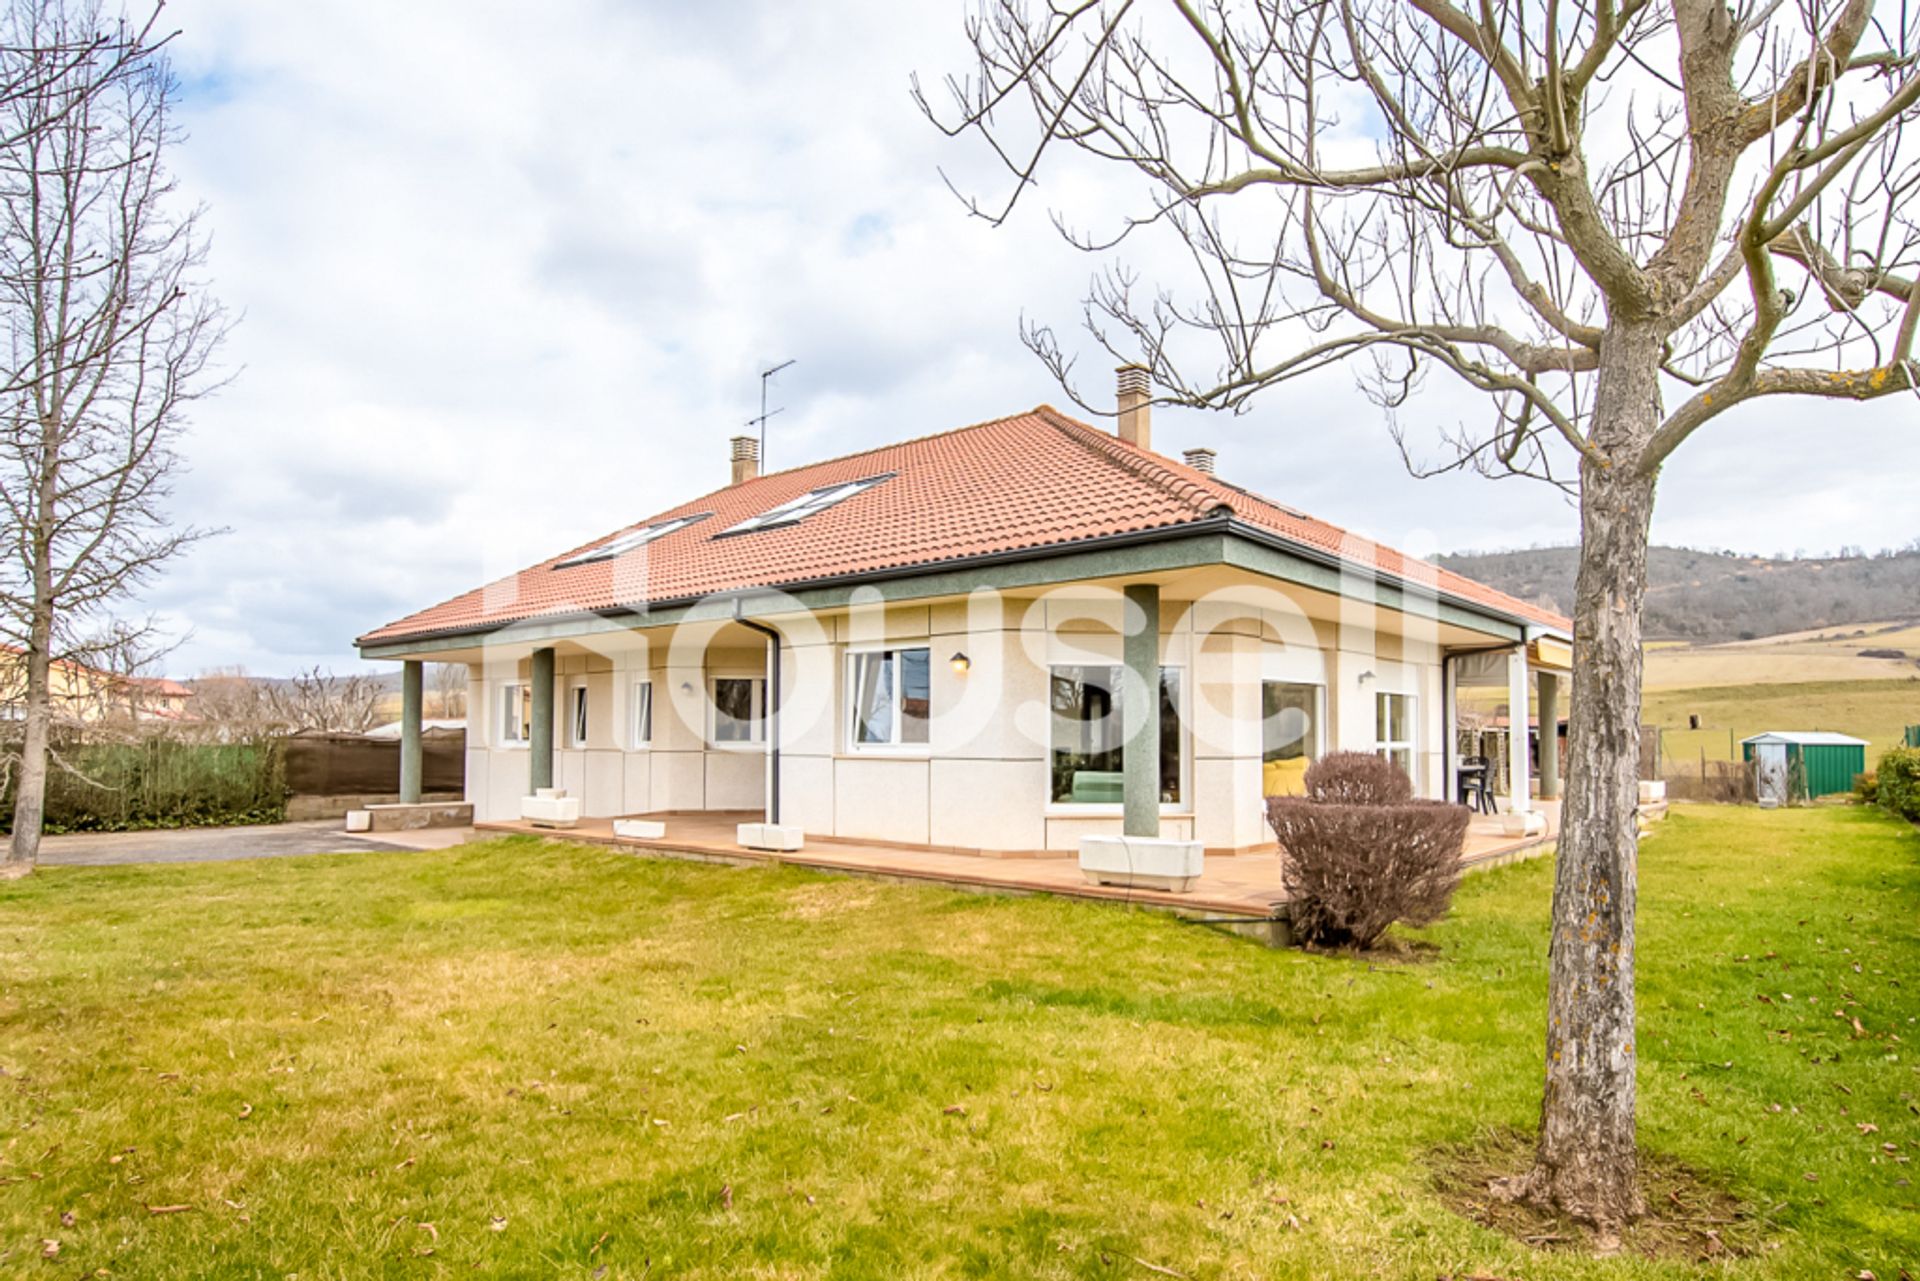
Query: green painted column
{"points": [[540, 749], [1140, 711], [1549, 735], [410, 686]]}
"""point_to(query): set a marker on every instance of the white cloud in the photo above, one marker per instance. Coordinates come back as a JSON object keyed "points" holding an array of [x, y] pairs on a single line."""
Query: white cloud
{"points": [[506, 281]]}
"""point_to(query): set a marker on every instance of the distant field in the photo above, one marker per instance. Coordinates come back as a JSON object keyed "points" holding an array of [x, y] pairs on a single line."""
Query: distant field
{"points": [[1876, 710], [1797, 658]]}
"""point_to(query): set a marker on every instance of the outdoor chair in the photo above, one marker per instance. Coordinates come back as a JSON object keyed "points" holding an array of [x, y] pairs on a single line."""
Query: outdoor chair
{"points": [[1475, 784]]}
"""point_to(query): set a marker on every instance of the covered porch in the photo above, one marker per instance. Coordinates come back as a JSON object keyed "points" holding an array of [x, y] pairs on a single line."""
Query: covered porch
{"points": [[1240, 887], [1503, 711]]}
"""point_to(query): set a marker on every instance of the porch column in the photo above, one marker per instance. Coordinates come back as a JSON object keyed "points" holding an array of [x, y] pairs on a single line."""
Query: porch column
{"points": [[1549, 736], [410, 672], [1140, 725], [1519, 769], [540, 749]]}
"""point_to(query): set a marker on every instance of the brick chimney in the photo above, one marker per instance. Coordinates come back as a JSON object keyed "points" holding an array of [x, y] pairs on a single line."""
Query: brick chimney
{"points": [[1136, 416], [746, 458], [1200, 460]]}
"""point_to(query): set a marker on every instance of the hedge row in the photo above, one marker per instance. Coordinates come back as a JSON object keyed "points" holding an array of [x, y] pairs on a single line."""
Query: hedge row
{"points": [[159, 782], [1897, 782]]}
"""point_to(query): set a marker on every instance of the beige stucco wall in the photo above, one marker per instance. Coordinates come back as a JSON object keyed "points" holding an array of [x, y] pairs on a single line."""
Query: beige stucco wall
{"points": [[983, 781]]}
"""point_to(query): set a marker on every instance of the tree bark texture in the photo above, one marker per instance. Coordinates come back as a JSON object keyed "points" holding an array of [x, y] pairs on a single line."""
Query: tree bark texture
{"points": [[1585, 1163]]}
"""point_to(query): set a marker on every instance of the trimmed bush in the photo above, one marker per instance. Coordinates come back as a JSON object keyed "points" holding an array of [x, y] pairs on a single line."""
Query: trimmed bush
{"points": [[1898, 782], [1359, 853]]}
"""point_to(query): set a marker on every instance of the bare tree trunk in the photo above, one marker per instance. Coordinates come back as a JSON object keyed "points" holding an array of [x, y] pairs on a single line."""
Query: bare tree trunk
{"points": [[1585, 1164], [30, 793]]}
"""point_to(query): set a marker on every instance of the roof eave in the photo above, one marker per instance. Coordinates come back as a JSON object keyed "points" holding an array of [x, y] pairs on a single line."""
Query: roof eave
{"points": [[1222, 520]]}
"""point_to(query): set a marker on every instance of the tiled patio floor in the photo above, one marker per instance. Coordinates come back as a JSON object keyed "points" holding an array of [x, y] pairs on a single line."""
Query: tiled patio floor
{"points": [[1244, 885]]}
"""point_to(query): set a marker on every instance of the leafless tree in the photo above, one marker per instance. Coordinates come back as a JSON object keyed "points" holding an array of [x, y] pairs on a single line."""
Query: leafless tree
{"points": [[319, 700], [1617, 219], [230, 704], [109, 334], [124, 658], [450, 688]]}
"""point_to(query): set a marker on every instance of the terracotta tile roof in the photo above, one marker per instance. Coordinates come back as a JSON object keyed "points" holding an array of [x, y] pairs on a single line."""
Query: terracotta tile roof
{"points": [[1034, 480]]}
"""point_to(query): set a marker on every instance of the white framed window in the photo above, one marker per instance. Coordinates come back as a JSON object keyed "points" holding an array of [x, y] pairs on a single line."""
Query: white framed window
{"points": [[1394, 729], [1088, 751], [577, 714], [889, 699], [739, 711], [1291, 721], [640, 722], [516, 714]]}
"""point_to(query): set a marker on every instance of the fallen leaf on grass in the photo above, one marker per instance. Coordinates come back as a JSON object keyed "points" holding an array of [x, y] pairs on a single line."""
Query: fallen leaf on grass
{"points": [[49, 1248], [953, 1110], [246, 1110], [168, 1209], [68, 1218], [1154, 1267], [497, 1223]]}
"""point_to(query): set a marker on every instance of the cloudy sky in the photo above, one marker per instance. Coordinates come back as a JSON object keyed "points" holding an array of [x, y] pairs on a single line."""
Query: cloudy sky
{"points": [[504, 283]]}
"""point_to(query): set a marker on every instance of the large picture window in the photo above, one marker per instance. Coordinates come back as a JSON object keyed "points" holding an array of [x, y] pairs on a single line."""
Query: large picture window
{"points": [[516, 713], [1289, 736], [739, 710], [1289, 721], [890, 698], [1088, 746], [1394, 729]]}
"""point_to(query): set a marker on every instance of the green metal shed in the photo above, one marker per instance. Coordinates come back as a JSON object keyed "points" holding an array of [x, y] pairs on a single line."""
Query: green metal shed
{"points": [[1827, 762]]}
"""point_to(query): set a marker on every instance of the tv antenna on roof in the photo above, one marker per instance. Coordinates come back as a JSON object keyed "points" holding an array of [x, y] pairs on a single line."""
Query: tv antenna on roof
{"points": [[761, 421]]}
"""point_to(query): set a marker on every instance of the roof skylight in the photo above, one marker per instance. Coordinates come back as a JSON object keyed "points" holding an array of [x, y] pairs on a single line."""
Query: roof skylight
{"points": [[626, 542], [795, 510]]}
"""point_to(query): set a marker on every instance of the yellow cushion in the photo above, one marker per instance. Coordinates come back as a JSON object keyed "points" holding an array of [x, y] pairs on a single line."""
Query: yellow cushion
{"points": [[1284, 778]]}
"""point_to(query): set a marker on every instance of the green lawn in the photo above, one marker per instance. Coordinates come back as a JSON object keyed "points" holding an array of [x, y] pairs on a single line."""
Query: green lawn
{"points": [[516, 1059]]}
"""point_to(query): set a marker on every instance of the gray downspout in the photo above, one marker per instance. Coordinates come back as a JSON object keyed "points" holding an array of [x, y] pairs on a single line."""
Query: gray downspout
{"points": [[773, 710]]}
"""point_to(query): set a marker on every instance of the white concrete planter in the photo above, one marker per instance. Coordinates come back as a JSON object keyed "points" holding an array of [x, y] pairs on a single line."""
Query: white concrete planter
{"points": [[550, 807], [775, 837], [1525, 823], [1653, 792], [639, 829], [1143, 862], [359, 821]]}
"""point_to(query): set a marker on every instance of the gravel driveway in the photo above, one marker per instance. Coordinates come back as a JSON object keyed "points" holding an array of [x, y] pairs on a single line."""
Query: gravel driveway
{"points": [[215, 844]]}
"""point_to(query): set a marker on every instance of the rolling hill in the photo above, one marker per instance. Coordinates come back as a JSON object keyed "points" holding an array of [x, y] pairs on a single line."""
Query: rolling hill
{"points": [[1711, 597]]}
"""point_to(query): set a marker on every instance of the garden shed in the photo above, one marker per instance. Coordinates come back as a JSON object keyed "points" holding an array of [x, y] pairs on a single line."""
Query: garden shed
{"points": [[1807, 762]]}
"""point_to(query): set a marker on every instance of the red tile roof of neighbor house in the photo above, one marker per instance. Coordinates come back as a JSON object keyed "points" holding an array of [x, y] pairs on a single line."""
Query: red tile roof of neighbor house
{"points": [[1033, 481]]}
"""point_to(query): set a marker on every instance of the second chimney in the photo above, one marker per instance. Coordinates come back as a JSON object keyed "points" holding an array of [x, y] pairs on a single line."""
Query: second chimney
{"points": [[1200, 460], [1136, 415], [746, 458]]}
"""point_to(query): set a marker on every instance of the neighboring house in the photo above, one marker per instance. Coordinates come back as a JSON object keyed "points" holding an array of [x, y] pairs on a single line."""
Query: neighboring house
{"points": [[88, 695], [926, 644]]}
